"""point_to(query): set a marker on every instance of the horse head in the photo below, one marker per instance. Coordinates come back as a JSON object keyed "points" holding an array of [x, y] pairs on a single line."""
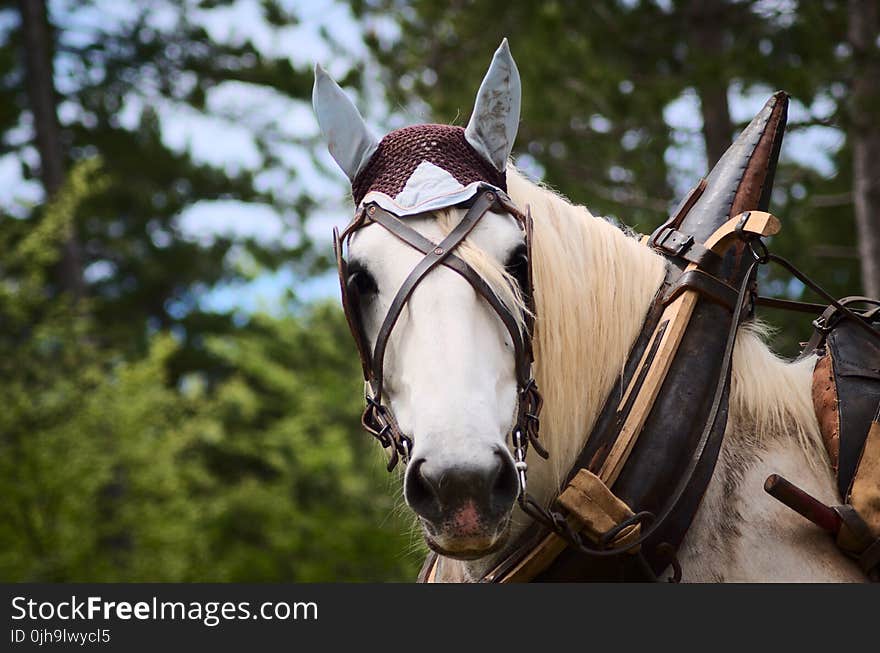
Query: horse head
{"points": [[444, 335]]}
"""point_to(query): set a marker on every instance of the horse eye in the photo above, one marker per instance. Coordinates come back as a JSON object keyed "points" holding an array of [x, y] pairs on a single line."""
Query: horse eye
{"points": [[518, 266], [360, 281]]}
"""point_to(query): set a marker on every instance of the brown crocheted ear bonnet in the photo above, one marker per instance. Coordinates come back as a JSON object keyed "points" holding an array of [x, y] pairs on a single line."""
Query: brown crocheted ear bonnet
{"points": [[403, 150]]}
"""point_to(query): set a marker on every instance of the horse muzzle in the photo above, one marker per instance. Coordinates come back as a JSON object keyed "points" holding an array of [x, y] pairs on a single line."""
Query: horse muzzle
{"points": [[464, 507]]}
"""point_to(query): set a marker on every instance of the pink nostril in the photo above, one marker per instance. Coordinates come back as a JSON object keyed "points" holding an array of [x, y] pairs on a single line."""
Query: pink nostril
{"points": [[466, 520]]}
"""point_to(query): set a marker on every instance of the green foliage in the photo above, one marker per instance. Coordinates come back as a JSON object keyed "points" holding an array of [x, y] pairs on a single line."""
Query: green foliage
{"points": [[110, 472], [289, 448]]}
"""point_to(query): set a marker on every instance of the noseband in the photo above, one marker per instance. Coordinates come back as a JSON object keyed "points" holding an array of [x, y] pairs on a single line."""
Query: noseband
{"points": [[377, 418]]}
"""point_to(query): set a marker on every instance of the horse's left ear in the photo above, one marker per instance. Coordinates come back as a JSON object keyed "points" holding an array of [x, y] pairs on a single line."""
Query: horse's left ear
{"points": [[349, 140], [493, 124]]}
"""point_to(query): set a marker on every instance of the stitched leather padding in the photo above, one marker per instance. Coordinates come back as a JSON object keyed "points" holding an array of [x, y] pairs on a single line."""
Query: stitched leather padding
{"points": [[856, 368], [825, 405]]}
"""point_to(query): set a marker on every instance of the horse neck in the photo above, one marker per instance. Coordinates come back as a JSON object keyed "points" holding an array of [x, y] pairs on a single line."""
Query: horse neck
{"points": [[740, 533]]}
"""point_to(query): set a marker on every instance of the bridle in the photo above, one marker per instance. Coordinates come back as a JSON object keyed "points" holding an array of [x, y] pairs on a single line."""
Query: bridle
{"points": [[377, 417]]}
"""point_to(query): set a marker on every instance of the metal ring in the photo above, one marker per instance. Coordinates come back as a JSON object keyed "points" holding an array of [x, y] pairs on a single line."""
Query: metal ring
{"points": [[740, 225], [642, 518], [764, 256]]}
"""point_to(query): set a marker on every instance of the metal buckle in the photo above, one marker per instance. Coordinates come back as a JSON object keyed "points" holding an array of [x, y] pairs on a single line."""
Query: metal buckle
{"points": [[822, 326], [519, 453], [405, 449], [678, 247]]}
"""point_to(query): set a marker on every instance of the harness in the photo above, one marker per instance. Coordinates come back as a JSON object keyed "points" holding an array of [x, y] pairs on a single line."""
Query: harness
{"points": [[591, 531], [639, 546]]}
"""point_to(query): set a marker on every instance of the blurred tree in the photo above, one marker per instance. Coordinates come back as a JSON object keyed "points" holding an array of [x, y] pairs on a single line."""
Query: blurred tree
{"points": [[597, 79], [304, 490], [864, 39], [117, 67], [39, 52]]}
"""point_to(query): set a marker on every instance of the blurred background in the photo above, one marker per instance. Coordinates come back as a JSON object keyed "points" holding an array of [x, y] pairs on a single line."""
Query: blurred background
{"points": [[180, 395]]}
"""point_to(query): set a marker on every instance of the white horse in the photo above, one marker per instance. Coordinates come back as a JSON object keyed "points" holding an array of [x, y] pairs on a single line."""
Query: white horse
{"points": [[450, 381]]}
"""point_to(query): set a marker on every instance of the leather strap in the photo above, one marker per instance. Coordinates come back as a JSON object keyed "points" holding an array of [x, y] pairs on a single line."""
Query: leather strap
{"points": [[789, 305], [431, 260], [836, 311], [426, 573], [674, 221], [675, 243], [349, 305], [711, 287]]}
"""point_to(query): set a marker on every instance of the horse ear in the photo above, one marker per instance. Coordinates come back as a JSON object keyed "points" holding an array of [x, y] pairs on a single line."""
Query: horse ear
{"points": [[493, 124], [349, 140]]}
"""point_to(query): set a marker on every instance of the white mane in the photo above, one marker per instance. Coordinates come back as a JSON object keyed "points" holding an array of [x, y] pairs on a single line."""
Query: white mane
{"points": [[593, 286]]}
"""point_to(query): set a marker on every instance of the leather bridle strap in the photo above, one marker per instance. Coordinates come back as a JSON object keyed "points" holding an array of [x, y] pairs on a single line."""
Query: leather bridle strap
{"points": [[522, 345], [377, 418], [434, 257]]}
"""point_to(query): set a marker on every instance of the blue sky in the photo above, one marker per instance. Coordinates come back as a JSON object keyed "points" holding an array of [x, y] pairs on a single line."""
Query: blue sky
{"points": [[225, 137]]}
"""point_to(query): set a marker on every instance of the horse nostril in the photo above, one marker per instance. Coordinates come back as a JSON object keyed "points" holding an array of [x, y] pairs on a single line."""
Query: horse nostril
{"points": [[505, 489], [420, 492], [487, 485]]}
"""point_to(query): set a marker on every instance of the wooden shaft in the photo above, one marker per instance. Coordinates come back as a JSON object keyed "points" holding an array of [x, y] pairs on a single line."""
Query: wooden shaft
{"points": [[803, 504]]}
